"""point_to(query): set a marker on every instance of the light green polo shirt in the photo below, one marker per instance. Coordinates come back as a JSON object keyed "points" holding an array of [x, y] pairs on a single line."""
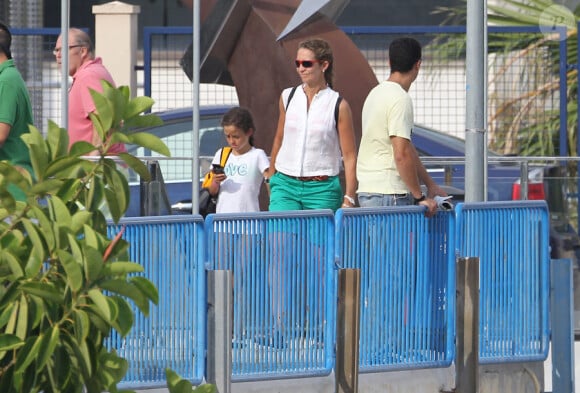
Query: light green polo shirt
{"points": [[387, 111], [16, 110]]}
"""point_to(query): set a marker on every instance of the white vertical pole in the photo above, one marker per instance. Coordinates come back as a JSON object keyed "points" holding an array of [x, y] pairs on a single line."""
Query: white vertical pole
{"points": [[475, 127], [195, 114], [485, 80], [64, 27]]}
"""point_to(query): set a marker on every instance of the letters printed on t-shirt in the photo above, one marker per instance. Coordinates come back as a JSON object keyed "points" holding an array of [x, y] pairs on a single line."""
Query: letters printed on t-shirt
{"points": [[235, 169]]}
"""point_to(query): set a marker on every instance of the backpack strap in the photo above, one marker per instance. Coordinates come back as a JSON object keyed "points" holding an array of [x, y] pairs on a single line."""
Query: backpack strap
{"points": [[336, 107], [290, 96], [225, 154], [336, 110]]}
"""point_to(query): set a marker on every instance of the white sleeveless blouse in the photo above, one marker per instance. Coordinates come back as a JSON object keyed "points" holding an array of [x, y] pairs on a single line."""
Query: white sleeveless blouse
{"points": [[310, 146]]}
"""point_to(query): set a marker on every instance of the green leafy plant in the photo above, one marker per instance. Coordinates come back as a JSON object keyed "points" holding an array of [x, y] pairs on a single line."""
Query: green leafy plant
{"points": [[176, 384], [64, 285]]}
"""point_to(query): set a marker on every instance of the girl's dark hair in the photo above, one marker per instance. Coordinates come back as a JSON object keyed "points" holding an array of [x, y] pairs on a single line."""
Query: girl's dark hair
{"points": [[322, 52], [241, 118]]}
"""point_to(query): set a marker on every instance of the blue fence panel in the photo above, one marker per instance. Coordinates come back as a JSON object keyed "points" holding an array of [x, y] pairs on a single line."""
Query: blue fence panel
{"points": [[407, 284], [511, 240], [284, 290], [170, 250]]}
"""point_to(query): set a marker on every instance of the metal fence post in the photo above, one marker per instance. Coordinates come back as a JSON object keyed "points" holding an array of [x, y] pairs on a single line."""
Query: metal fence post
{"points": [[467, 353], [219, 329], [347, 337], [524, 182], [561, 312], [153, 194]]}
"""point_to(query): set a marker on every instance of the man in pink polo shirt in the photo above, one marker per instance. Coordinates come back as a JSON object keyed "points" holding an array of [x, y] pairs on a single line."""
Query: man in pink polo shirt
{"points": [[87, 72]]}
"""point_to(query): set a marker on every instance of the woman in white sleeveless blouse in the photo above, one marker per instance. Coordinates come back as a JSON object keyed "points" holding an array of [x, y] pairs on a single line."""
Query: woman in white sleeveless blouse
{"points": [[315, 130]]}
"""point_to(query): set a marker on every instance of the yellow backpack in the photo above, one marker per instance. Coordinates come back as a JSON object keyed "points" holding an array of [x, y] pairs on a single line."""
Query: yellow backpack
{"points": [[224, 155]]}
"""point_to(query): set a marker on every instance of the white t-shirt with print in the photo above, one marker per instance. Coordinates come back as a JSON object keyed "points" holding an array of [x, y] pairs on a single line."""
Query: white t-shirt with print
{"points": [[245, 173]]}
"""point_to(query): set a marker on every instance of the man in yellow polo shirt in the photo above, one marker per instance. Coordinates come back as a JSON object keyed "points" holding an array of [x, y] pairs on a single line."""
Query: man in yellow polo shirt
{"points": [[389, 171]]}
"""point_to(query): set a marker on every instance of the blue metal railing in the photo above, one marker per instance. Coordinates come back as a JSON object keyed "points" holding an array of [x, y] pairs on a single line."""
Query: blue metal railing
{"points": [[407, 276], [284, 290], [511, 240], [171, 251], [285, 274]]}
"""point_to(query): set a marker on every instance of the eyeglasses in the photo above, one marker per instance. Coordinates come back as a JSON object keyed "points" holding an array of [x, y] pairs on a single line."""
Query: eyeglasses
{"points": [[305, 63], [56, 51]]}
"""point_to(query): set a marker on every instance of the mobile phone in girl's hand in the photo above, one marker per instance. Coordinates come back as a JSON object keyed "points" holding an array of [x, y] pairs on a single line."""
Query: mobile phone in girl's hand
{"points": [[217, 169]]}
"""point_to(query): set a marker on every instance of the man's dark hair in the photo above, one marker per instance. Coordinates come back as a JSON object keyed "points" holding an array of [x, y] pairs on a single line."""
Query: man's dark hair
{"points": [[5, 40], [403, 54]]}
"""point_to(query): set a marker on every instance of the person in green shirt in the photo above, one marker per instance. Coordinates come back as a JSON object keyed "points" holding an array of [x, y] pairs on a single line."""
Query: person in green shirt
{"points": [[15, 112]]}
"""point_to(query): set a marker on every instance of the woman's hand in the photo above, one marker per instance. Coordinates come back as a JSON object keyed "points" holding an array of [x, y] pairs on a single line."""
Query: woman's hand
{"points": [[348, 201], [269, 172]]}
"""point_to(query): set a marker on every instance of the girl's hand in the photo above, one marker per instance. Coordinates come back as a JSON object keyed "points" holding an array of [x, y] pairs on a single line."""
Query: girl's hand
{"points": [[214, 188], [219, 178]]}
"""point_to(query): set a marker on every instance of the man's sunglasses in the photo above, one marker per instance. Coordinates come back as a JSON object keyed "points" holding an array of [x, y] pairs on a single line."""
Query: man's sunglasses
{"points": [[305, 63]]}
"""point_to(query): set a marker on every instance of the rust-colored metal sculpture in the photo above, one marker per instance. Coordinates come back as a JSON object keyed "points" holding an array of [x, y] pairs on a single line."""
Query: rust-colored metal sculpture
{"points": [[239, 46]]}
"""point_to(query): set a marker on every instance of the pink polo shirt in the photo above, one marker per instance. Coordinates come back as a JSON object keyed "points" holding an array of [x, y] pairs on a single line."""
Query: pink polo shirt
{"points": [[88, 76]]}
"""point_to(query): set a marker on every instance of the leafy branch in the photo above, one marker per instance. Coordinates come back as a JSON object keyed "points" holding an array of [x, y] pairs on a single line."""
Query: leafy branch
{"points": [[65, 284]]}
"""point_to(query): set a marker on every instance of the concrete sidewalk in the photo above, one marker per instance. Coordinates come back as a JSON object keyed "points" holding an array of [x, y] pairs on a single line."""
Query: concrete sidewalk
{"points": [[424, 381]]}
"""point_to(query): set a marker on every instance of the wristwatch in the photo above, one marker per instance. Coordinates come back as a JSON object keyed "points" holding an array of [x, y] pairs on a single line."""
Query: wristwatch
{"points": [[417, 200]]}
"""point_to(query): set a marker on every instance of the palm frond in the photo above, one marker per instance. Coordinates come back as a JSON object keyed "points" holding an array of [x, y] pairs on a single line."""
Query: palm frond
{"points": [[525, 121]]}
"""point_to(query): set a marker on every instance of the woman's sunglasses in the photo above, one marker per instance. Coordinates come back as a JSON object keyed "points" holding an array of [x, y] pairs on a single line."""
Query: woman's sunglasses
{"points": [[305, 63]]}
